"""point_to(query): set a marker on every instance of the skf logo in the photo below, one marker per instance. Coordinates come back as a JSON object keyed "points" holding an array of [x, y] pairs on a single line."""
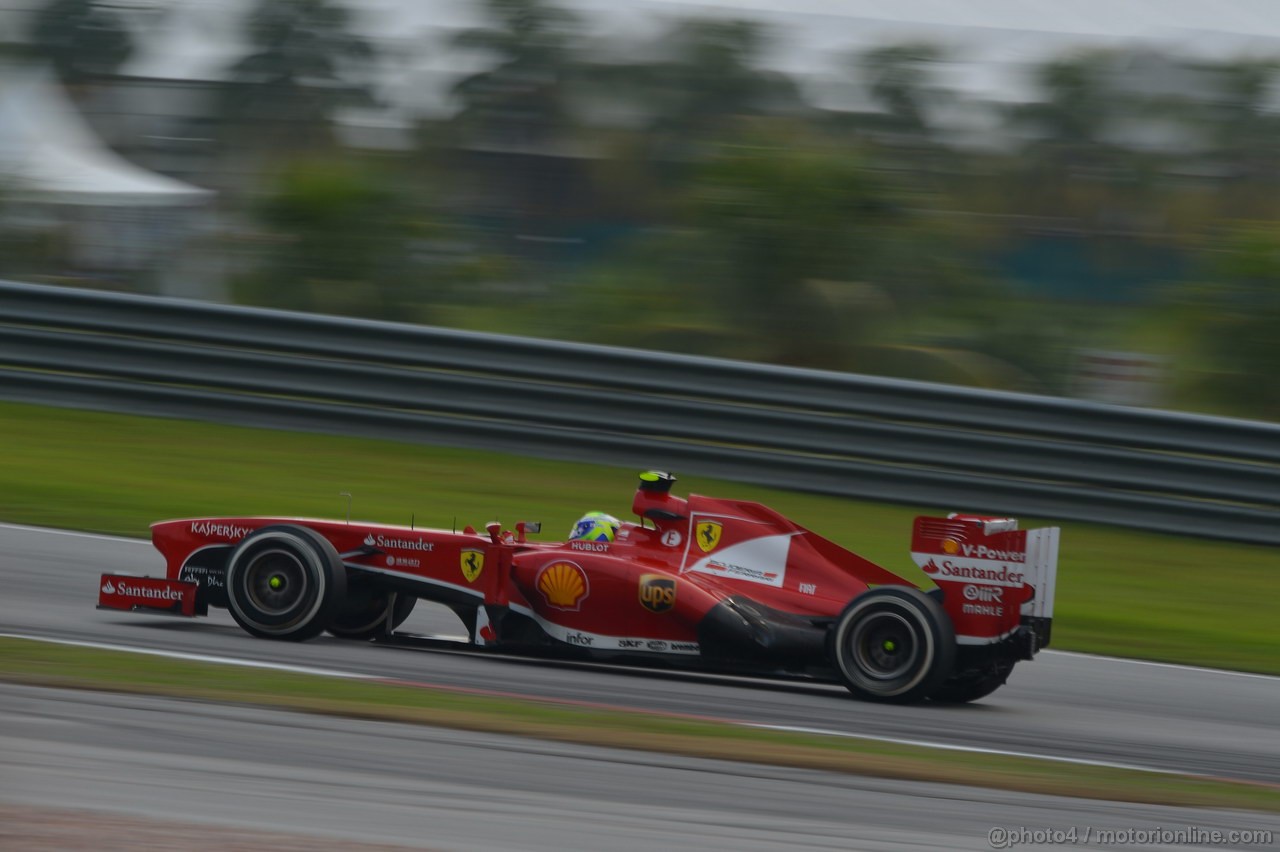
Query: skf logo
{"points": [[657, 593], [708, 535], [563, 586], [472, 562]]}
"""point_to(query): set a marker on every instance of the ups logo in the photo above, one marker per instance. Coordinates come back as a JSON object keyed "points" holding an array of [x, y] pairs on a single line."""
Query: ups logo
{"points": [[657, 592]]}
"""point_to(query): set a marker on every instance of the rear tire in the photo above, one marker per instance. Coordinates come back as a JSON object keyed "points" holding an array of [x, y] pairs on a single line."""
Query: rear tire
{"points": [[365, 611], [892, 644], [284, 582]]}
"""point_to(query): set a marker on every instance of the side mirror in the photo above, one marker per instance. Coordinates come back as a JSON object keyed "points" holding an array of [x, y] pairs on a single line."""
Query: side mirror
{"points": [[523, 527]]}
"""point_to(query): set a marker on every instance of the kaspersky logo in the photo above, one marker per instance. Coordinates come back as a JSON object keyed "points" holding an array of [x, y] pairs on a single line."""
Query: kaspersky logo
{"points": [[209, 529]]}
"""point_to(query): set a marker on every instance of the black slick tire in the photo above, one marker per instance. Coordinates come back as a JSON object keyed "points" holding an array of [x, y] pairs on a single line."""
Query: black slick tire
{"points": [[892, 644], [970, 686], [284, 582], [365, 612]]}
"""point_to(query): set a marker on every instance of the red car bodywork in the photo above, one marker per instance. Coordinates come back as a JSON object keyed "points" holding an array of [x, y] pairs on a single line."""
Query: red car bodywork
{"points": [[698, 580]]}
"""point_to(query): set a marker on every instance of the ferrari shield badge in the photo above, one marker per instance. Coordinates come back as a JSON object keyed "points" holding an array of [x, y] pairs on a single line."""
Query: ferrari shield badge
{"points": [[472, 564], [708, 535]]}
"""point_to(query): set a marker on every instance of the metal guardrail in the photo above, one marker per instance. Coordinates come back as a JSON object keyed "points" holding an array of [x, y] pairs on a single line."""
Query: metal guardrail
{"points": [[833, 433]]}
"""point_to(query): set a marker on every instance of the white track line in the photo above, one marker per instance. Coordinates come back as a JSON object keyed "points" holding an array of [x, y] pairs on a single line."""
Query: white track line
{"points": [[1054, 758], [207, 658], [200, 658], [1177, 666]]}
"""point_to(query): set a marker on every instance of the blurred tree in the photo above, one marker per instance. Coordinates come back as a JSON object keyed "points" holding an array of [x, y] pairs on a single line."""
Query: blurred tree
{"points": [[82, 39], [901, 82], [1065, 167], [304, 63], [1078, 103], [521, 102], [708, 76], [1240, 116], [779, 217], [1231, 322], [343, 237]]}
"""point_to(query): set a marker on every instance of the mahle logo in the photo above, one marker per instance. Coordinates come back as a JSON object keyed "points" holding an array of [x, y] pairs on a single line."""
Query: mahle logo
{"points": [[657, 592], [708, 535]]}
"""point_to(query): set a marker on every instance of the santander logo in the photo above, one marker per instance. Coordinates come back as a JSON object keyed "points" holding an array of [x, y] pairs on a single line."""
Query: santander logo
{"points": [[149, 592], [369, 540], [1002, 575]]}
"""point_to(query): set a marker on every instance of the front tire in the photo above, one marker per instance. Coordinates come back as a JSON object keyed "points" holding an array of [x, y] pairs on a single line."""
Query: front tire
{"points": [[365, 612], [284, 582], [892, 644]]}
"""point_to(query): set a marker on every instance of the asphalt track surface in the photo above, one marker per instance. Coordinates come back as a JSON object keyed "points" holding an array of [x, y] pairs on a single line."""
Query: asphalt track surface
{"points": [[451, 790], [1174, 718]]}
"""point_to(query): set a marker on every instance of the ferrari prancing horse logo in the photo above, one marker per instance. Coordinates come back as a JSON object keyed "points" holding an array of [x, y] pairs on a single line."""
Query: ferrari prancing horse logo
{"points": [[708, 535], [472, 563]]}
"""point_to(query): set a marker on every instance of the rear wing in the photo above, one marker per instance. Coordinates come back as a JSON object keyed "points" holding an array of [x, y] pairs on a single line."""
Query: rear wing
{"points": [[994, 577]]}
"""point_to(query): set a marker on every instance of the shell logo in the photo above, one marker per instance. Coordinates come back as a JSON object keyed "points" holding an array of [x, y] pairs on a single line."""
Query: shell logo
{"points": [[563, 585]]}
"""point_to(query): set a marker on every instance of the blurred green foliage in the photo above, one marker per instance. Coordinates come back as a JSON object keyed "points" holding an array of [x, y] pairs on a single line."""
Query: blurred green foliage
{"points": [[342, 236], [684, 194]]}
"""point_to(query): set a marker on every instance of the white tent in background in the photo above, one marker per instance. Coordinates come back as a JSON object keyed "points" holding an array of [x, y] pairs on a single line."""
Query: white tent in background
{"points": [[48, 153]]}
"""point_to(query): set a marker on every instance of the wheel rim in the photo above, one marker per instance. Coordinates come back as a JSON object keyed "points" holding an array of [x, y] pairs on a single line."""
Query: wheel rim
{"points": [[885, 646], [276, 581]]}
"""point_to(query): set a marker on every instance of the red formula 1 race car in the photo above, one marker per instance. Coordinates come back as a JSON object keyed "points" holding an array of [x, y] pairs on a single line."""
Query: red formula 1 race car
{"points": [[725, 585]]}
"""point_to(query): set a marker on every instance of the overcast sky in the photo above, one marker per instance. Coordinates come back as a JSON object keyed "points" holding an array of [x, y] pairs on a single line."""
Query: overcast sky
{"points": [[993, 41]]}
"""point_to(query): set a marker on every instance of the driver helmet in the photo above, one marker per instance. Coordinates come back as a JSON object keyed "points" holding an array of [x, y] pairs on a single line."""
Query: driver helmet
{"points": [[595, 526]]}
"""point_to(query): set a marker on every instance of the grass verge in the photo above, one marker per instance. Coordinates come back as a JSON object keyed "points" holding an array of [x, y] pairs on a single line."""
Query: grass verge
{"points": [[1120, 592], [44, 664]]}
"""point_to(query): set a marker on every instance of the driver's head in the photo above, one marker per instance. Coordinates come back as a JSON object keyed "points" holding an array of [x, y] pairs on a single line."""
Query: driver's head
{"points": [[595, 526]]}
